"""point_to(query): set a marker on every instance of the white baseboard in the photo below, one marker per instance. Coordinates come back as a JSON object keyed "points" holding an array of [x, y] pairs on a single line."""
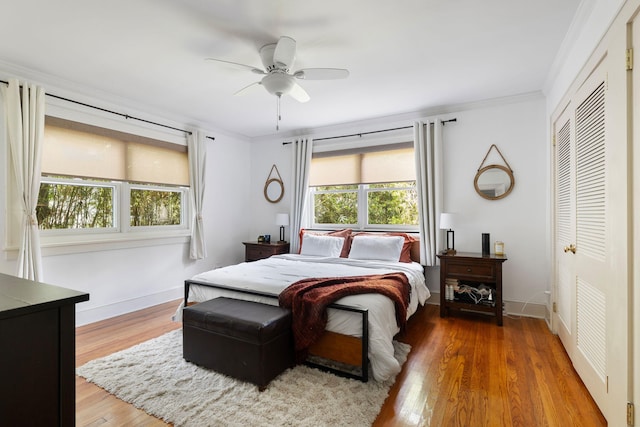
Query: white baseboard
{"points": [[96, 314], [83, 317], [512, 308]]}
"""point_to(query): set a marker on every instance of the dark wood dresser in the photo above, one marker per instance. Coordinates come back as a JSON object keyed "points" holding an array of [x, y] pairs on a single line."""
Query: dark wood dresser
{"points": [[474, 270], [37, 353], [255, 251]]}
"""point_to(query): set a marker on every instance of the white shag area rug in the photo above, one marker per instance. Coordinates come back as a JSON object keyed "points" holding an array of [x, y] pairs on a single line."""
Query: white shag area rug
{"points": [[154, 377]]}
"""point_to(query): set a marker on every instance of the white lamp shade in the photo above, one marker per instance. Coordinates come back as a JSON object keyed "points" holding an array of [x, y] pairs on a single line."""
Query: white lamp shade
{"points": [[282, 219], [446, 221]]}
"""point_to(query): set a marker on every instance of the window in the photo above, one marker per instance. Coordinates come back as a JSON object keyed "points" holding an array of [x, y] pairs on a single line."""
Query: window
{"points": [[97, 180], [364, 188], [64, 204]]}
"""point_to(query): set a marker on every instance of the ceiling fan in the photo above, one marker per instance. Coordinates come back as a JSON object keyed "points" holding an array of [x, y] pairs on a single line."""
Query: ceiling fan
{"points": [[277, 59]]}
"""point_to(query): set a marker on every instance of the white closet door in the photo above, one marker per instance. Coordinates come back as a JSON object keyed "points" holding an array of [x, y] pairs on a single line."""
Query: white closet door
{"points": [[580, 134], [591, 220], [565, 227], [594, 137]]}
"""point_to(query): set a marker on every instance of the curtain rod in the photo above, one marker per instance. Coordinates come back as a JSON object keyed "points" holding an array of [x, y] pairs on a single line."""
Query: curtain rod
{"points": [[126, 116], [370, 132]]}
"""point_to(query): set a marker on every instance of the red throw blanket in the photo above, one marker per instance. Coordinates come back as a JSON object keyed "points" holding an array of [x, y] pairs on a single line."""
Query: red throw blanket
{"points": [[308, 300]]}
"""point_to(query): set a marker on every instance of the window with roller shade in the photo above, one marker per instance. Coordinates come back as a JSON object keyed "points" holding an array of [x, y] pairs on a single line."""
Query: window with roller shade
{"points": [[365, 188], [101, 180]]}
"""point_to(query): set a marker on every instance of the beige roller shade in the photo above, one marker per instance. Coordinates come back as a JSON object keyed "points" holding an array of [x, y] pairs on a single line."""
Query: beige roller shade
{"points": [[75, 149], [146, 163], [70, 152], [386, 165], [338, 170]]}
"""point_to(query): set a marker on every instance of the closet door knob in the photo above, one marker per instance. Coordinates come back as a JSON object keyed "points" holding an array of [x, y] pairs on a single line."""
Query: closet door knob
{"points": [[571, 248]]}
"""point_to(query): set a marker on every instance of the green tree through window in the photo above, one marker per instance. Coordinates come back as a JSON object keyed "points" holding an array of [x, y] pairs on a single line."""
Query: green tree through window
{"points": [[393, 204], [153, 207], [64, 206], [396, 203]]}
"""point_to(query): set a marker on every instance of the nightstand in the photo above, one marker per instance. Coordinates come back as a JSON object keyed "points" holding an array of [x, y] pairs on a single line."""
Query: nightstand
{"points": [[255, 251], [464, 270]]}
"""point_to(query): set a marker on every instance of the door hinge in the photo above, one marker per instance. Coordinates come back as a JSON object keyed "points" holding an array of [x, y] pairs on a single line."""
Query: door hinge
{"points": [[554, 140], [630, 415], [629, 59], [555, 307]]}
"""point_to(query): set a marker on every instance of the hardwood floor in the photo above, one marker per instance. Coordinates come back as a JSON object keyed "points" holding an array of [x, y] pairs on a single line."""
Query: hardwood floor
{"points": [[462, 371]]}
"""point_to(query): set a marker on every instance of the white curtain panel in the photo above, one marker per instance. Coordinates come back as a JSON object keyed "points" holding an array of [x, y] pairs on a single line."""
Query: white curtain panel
{"points": [[25, 128], [427, 140], [197, 164], [301, 160]]}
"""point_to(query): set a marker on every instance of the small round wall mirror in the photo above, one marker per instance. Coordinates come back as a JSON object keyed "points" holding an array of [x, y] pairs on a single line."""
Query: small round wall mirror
{"points": [[274, 187], [494, 182], [273, 190]]}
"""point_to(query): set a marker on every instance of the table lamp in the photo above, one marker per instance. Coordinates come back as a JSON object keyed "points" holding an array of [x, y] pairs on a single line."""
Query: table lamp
{"points": [[282, 219], [446, 223]]}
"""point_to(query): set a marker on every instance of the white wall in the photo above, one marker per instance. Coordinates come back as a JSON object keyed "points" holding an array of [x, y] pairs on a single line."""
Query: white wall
{"points": [[520, 219], [517, 126], [263, 213], [126, 279]]}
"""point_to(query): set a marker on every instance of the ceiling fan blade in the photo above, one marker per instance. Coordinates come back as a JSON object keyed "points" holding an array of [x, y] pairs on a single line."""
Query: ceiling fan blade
{"points": [[285, 52], [321, 73], [249, 67], [247, 88], [298, 93]]}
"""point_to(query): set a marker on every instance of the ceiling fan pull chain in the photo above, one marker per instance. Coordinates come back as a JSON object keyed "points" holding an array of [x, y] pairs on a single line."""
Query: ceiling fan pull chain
{"points": [[279, 117]]}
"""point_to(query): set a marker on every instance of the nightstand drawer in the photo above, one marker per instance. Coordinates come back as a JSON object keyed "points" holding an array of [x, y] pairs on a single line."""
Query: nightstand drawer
{"points": [[255, 251], [472, 271]]}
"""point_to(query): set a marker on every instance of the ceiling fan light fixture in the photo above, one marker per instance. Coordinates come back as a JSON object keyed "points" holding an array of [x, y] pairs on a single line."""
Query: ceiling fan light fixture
{"points": [[278, 83]]}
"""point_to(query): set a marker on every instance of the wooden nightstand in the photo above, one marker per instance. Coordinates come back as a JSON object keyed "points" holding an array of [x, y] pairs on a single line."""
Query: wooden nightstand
{"points": [[474, 270], [255, 251]]}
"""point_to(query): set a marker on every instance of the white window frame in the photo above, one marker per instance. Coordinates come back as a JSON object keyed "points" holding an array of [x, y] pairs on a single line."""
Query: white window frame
{"points": [[362, 192], [122, 231], [125, 211], [99, 240], [117, 190]]}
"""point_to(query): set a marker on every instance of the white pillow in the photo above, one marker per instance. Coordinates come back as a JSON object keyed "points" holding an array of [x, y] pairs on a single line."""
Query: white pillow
{"points": [[387, 248], [321, 245]]}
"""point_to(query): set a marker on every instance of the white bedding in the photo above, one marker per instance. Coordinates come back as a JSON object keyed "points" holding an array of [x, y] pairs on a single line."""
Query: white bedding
{"points": [[273, 274]]}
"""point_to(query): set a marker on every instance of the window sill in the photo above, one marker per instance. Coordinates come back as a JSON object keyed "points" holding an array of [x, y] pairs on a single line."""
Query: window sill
{"points": [[63, 245]]}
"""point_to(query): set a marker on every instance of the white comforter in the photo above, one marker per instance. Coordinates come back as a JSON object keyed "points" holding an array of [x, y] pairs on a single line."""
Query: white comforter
{"points": [[273, 274]]}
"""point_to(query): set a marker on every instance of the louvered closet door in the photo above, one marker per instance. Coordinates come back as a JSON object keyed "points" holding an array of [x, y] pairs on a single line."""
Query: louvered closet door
{"points": [[581, 238], [593, 140], [565, 227]]}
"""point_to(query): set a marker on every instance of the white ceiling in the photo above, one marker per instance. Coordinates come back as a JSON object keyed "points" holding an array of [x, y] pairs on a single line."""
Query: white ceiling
{"points": [[404, 56]]}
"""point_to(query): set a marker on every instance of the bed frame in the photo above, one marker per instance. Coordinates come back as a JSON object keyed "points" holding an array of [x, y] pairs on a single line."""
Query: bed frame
{"points": [[350, 354]]}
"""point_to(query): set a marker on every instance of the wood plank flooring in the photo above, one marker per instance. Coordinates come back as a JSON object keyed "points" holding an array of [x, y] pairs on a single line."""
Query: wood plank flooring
{"points": [[462, 371]]}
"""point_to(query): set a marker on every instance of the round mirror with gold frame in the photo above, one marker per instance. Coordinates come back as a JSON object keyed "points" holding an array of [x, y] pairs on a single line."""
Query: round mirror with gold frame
{"points": [[273, 190], [274, 187], [494, 182]]}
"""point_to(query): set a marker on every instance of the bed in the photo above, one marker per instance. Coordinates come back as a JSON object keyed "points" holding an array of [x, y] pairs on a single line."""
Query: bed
{"points": [[361, 327]]}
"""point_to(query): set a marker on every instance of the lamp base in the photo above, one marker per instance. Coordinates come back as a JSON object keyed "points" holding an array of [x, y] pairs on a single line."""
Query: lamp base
{"points": [[448, 252]]}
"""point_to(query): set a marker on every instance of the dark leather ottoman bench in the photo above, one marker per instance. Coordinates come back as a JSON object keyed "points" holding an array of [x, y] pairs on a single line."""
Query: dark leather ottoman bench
{"points": [[242, 339]]}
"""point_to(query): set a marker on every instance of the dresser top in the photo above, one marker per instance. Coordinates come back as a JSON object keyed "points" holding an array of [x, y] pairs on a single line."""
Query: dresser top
{"points": [[20, 296]]}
